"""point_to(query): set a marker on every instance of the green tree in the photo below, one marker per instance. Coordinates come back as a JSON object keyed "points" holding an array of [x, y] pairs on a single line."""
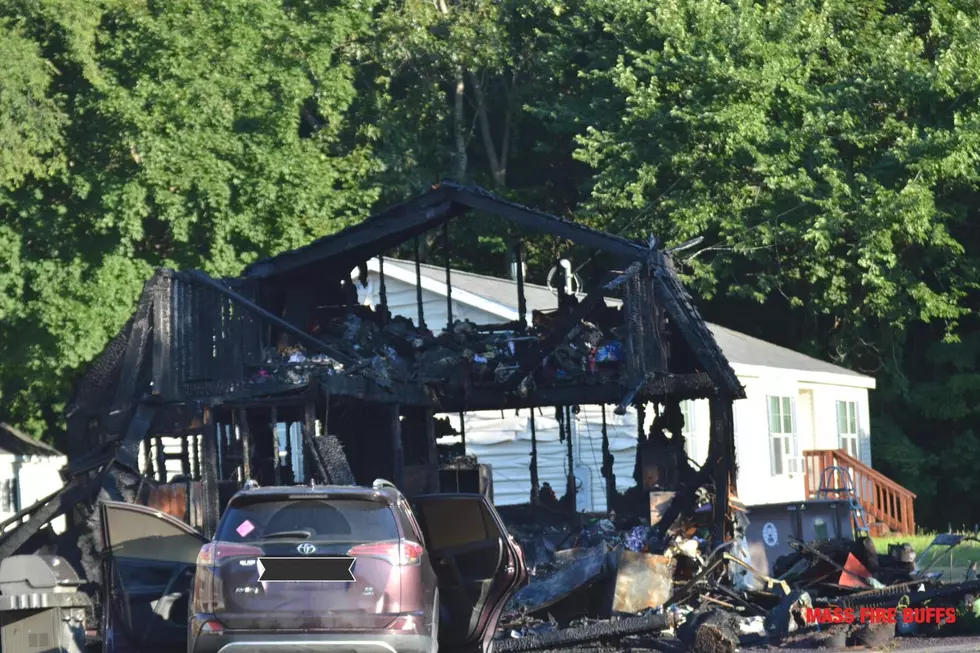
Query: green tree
{"points": [[136, 134], [828, 153]]}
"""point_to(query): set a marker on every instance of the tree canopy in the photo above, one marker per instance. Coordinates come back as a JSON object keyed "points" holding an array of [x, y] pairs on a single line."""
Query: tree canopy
{"points": [[828, 151]]}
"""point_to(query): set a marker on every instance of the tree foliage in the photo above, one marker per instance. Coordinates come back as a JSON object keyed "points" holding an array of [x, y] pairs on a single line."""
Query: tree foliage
{"points": [[828, 151]]}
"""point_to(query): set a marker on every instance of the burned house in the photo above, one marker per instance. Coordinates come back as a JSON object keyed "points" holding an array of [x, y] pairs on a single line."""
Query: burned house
{"points": [[283, 376]]}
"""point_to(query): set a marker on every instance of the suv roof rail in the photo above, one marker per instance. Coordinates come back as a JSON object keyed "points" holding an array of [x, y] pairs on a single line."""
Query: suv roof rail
{"points": [[382, 483]]}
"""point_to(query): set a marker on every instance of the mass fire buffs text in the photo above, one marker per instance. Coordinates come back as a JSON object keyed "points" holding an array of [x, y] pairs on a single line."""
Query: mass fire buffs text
{"points": [[880, 615]]}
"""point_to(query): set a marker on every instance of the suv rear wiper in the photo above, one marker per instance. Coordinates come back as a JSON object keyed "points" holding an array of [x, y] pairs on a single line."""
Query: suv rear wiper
{"points": [[288, 534]]}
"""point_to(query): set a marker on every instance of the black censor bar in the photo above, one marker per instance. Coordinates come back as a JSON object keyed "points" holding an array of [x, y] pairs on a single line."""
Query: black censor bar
{"points": [[310, 570]]}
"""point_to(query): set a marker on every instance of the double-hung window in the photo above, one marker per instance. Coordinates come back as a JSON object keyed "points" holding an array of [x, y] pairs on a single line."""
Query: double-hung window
{"points": [[847, 427], [782, 436]]}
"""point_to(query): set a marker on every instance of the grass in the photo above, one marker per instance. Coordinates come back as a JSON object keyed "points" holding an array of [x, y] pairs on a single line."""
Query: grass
{"points": [[953, 570]]}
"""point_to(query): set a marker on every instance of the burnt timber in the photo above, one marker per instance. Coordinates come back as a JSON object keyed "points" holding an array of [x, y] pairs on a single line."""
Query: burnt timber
{"points": [[277, 375]]}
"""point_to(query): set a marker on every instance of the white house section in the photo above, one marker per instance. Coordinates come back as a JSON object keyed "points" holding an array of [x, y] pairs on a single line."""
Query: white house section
{"points": [[29, 471], [794, 403]]}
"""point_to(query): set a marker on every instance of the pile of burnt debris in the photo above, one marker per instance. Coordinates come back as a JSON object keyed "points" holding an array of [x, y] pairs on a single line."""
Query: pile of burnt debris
{"points": [[395, 350], [611, 581]]}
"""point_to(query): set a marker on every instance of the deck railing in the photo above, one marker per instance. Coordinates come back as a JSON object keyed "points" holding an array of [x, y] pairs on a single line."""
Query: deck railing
{"points": [[887, 505]]}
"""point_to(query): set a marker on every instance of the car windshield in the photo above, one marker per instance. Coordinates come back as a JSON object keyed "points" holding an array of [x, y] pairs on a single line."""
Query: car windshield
{"points": [[333, 520]]}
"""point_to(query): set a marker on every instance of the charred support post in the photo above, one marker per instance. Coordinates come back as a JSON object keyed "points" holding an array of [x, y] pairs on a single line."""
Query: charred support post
{"points": [[462, 431], [276, 471], [209, 478], [161, 460], [722, 446], [433, 452], [397, 448], [641, 437], [241, 416], [185, 456], [570, 486], [384, 292], [309, 431], [449, 284], [535, 487], [607, 464], [418, 285], [521, 299]]}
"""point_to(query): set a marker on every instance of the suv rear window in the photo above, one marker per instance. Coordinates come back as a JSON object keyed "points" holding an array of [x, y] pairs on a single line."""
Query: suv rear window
{"points": [[327, 520]]}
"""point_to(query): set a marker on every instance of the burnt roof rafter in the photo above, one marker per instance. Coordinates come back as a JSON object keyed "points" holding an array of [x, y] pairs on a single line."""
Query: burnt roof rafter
{"points": [[402, 222]]}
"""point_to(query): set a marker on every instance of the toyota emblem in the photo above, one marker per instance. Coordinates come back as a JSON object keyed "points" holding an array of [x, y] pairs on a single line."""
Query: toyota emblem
{"points": [[306, 548]]}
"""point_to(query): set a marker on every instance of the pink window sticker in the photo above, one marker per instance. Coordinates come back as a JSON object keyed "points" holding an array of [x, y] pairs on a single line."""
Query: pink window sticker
{"points": [[245, 528]]}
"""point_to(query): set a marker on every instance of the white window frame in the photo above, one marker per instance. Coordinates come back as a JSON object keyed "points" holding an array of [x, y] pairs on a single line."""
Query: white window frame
{"points": [[849, 431], [689, 411], [789, 459]]}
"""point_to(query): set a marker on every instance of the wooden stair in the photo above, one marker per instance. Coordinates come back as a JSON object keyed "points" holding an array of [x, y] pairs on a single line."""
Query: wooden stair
{"points": [[888, 507]]}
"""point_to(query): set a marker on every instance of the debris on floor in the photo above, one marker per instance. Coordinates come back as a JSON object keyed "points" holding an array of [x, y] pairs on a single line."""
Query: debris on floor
{"points": [[600, 580]]}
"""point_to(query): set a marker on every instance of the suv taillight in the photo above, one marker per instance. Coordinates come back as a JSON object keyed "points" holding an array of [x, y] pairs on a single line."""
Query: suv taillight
{"points": [[208, 591], [399, 554]]}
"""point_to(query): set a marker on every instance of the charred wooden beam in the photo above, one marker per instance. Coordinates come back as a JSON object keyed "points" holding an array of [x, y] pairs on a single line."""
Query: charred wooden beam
{"points": [[608, 461], [550, 224], [384, 290], [376, 234], [682, 386], [521, 299], [723, 446], [696, 334], [462, 431], [535, 485], [570, 484], [209, 478], [42, 512], [418, 285], [291, 328], [641, 437], [449, 280], [241, 416], [308, 428], [533, 361], [164, 382]]}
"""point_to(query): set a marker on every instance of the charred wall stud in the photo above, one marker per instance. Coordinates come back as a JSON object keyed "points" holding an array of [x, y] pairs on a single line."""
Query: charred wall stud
{"points": [[571, 484], [418, 284], [535, 486], [210, 496], [607, 464], [383, 289], [449, 280]]}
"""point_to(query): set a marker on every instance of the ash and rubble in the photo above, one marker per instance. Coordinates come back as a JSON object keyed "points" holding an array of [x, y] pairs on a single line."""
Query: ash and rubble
{"points": [[400, 352], [608, 580]]}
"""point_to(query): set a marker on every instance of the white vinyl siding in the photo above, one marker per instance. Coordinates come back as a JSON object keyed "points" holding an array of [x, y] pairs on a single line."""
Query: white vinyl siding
{"points": [[784, 457], [847, 428], [688, 410]]}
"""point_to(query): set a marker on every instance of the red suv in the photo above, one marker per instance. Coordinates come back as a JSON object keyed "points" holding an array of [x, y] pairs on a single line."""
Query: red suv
{"points": [[436, 573]]}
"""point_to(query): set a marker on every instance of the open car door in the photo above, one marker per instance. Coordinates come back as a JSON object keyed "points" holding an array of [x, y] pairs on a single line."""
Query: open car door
{"points": [[148, 574], [477, 564]]}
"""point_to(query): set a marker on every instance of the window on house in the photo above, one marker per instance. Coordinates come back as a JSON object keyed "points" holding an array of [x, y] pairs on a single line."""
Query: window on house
{"points": [[782, 436], [690, 437], [847, 427], [8, 496]]}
